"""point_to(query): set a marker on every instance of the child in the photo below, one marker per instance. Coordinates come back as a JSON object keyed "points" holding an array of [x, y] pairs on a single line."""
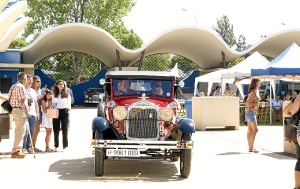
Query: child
{"points": [[46, 103]]}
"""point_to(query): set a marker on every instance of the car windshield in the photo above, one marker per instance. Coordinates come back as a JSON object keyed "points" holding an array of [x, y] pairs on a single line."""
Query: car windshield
{"points": [[160, 88]]}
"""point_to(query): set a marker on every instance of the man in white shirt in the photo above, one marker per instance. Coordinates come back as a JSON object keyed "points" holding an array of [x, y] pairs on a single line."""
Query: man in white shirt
{"points": [[277, 108]]}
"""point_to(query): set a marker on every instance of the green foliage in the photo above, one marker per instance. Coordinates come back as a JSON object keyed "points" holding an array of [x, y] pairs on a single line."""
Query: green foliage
{"points": [[241, 43], [225, 30], [106, 14], [183, 63], [150, 63], [18, 43], [236, 61], [73, 67]]}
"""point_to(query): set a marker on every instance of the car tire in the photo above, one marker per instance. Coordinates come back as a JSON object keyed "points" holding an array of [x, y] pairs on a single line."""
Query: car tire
{"points": [[186, 157], [99, 161]]}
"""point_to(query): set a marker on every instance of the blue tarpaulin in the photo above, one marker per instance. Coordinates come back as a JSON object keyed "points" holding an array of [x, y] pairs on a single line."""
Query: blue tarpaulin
{"points": [[287, 63]]}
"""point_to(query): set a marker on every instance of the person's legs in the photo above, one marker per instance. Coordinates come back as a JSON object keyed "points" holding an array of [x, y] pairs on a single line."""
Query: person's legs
{"points": [[20, 122], [26, 137], [249, 131], [68, 120], [32, 123], [47, 138], [37, 128], [64, 127], [297, 167], [254, 130], [56, 129]]}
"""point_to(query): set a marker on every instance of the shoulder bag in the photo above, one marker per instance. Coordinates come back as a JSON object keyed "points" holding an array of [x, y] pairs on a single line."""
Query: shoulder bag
{"points": [[6, 105], [52, 113]]}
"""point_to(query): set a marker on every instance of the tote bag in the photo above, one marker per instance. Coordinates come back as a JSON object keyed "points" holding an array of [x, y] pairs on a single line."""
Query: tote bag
{"points": [[52, 113]]}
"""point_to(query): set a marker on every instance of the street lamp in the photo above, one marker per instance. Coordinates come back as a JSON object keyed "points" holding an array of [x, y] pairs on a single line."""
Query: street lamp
{"points": [[192, 14]]}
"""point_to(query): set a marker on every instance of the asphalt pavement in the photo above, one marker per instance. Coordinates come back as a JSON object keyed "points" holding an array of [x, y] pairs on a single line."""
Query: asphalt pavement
{"points": [[220, 160]]}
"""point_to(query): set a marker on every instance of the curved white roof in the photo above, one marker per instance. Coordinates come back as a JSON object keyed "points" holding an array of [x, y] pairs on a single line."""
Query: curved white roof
{"points": [[200, 45]]}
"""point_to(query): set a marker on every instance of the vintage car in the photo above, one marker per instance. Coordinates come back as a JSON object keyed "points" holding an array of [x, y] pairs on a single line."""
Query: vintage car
{"points": [[91, 96], [137, 117]]}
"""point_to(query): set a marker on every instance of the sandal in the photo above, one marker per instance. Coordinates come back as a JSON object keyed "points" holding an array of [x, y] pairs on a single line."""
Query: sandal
{"points": [[37, 150], [254, 151], [49, 150]]}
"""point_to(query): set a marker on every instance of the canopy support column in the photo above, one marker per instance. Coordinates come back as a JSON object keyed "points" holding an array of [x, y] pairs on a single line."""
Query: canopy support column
{"points": [[119, 60], [223, 63]]}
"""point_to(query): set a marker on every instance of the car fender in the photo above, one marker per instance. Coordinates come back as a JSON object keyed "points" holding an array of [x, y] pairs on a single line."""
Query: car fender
{"points": [[100, 124], [186, 125]]}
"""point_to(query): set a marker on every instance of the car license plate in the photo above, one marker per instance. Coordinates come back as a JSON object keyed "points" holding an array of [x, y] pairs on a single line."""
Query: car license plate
{"points": [[123, 152]]}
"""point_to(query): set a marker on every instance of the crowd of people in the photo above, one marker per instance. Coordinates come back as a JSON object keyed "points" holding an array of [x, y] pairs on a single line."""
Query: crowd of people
{"points": [[30, 104]]}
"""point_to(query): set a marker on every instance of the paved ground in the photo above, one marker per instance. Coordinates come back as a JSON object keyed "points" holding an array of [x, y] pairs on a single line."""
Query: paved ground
{"points": [[220, 160]]}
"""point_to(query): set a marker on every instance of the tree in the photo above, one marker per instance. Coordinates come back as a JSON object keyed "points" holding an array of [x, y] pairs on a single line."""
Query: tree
{"points": [[241, 44], [225, 30], [183, 63], [106, 14], [18, 43]]}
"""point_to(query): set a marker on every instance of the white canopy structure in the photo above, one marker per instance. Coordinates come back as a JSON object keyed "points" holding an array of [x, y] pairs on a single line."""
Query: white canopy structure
{"points": [[241, 70], [210, 78]]}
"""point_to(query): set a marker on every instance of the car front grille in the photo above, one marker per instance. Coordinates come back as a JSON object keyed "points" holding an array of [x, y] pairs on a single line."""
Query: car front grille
{"points": [[142, 123]]}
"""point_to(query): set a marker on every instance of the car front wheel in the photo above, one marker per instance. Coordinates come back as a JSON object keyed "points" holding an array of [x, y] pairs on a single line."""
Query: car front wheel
{"points": [[186, 157], [99, 161]]}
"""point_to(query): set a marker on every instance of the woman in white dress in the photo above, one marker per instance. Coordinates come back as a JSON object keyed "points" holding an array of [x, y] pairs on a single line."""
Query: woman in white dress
{"points": [[46, 104]]}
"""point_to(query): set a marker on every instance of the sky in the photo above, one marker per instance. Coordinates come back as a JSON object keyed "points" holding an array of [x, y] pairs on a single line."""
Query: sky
{"points": [[251, 18]]}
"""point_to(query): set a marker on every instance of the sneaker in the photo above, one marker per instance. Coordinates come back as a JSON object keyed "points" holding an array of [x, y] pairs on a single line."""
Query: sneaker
{"points": [[18, 154], [64, 149], [55, 149], [25, 151], [30, 151]]}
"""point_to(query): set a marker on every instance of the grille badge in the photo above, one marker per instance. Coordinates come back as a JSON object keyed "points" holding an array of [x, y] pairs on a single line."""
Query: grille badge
{"points": [[151, 115]]}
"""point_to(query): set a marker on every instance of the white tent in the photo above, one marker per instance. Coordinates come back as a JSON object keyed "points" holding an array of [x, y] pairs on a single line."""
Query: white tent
{"points": [[241, 70], [210, 78]]}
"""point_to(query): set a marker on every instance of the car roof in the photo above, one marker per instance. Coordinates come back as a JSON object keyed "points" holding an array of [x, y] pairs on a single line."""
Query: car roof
{"points": [[164, 75]]}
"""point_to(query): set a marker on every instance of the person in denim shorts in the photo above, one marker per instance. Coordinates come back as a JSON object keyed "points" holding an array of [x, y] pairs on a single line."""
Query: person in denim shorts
{"points": [[250, 113], [36, 85]]}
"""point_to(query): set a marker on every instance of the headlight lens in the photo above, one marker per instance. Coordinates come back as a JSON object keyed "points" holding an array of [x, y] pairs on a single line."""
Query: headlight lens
{"points": [[119, 113], [111, 103], [173, 105], [166, 114]]}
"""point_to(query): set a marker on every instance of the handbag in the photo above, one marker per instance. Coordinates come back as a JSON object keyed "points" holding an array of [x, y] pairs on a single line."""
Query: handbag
{"points": [[290, 129], [52, 113], [294, 121], [6, 106]]}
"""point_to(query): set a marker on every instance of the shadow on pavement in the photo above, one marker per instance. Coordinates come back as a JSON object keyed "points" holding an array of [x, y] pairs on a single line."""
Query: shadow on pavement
{"points": [[127, 170]]}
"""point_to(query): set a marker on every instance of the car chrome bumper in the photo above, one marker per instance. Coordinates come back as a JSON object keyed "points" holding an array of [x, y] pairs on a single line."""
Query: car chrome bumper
{"points": [[135, 144], [91, 102]]}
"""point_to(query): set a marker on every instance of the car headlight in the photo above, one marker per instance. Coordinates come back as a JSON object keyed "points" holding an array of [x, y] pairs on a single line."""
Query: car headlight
{"points": [[111, 104], [173, 105], [86, 96], [166, 114], [119, 113]]}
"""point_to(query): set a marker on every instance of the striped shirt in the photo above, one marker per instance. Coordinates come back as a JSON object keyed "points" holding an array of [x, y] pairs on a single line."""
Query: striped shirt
{"points": [[17, 93]]}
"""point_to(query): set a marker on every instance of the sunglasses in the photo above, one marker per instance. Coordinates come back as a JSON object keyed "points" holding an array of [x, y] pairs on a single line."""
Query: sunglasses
{"points": [[38, 81]]}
